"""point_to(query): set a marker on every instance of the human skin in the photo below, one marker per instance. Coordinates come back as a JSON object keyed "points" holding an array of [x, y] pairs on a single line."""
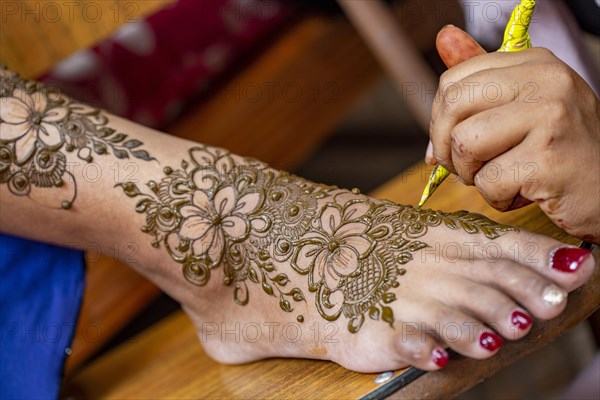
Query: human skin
{"points": [[369, 284], [536, 138]]}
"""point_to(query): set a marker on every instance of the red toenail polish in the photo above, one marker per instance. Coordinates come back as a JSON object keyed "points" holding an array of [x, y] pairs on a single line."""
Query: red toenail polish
{"points": [[521, 320], [490, 341], [439, 357], [568, 259]]}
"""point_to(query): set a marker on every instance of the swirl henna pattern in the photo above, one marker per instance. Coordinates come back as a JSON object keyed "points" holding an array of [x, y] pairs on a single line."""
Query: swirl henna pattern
{"points": [[248, 218], [37, 122]]}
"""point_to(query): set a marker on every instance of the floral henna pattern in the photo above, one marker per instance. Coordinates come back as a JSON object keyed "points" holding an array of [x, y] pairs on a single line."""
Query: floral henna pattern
{"points": [[37, 122], [214, 212]]}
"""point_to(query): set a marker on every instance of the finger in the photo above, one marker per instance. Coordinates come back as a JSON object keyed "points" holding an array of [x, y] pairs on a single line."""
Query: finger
{"points": [[458, 84], [486, 135], [479, 92], [499, 181], [518, 177], [455, 46], [495, 60]]}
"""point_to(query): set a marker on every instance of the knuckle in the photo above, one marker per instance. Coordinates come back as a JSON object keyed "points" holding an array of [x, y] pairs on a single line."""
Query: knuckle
{"points": [[559, 110], [451, 100], [543, 52], [444, 80], [564, 75]]}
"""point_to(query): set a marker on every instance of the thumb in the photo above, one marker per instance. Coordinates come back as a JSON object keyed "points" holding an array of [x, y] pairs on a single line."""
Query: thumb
{"points": [[455, 46]]}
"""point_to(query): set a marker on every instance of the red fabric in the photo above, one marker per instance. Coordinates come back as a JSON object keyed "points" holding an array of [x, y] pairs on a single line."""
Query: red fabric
{"points": [[148, 69]]}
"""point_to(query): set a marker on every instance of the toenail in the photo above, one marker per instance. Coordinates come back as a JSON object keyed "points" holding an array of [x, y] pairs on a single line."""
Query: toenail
{"points": [[568, 259], [490, 341], [521, 320], [439, 357], [554, 295]]}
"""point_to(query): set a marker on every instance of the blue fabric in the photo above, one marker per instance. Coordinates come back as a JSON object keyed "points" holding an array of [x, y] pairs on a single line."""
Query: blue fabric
{"points": [[41, 287]]}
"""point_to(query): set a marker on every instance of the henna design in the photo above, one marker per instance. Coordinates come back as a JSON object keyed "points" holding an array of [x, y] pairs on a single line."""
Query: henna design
{"points": [[248, 218], [37, 122]]}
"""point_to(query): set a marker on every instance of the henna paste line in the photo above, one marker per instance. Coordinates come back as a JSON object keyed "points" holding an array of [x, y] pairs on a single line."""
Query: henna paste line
{"points": [[246, 218], [38, 125]]}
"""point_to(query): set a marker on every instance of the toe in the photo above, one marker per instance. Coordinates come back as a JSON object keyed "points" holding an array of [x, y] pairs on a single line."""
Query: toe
{"points": [[544, 299], [456, 329], [538, 294], [567, 266], [490, 305], [419, 349], [467, 335]]}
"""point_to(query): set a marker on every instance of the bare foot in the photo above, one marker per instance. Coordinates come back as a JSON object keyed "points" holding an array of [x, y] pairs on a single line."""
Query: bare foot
{"points": [[281, 267]]}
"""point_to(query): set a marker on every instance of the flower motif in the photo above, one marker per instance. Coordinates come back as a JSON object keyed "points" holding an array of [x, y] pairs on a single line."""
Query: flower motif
{"points": [[26, 119], [208, 223], [333, 251]]}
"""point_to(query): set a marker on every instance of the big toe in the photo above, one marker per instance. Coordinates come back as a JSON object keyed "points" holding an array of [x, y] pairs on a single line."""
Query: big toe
{"points": [[568, 267]]}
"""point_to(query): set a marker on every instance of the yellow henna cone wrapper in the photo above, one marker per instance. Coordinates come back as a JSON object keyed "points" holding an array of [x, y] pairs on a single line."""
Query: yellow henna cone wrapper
{"points": [[516, 38], [516, 35], [438, 175]]}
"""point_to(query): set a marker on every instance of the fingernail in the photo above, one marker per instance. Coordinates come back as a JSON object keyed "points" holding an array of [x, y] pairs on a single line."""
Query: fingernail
{"points": [[439, 357], [521, 320], [568, 259], [554, 295], [490, 341]]}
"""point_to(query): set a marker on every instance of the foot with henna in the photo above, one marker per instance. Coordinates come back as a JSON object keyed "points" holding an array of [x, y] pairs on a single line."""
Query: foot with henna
{"points": [[369, 284]]}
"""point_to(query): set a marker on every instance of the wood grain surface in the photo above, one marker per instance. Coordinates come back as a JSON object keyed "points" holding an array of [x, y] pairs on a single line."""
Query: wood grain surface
{"points": [[167, 360]]}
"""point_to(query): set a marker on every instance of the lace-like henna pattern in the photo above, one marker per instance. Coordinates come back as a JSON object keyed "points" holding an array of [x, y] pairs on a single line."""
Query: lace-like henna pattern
{"points": [[37, 122], [248, 218]]}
